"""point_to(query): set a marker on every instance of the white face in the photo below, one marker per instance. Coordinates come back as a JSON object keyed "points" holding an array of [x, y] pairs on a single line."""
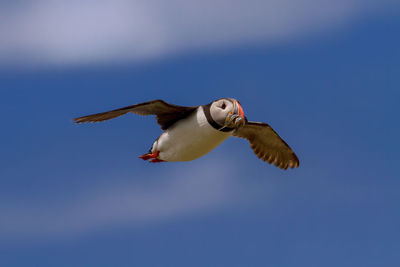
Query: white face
{"points": [[226, 110], [220, 109]]}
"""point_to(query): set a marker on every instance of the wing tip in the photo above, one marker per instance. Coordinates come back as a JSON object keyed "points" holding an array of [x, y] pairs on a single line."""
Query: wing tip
{"points": [[278, 161], [84, 119], [77, 120]]}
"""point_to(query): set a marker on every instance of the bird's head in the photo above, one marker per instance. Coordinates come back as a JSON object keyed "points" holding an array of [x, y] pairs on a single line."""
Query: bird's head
{"points": [[227, 112]]}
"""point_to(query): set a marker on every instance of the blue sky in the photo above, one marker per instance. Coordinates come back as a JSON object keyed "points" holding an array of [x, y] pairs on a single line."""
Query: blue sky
{"points": [[325, 75]]}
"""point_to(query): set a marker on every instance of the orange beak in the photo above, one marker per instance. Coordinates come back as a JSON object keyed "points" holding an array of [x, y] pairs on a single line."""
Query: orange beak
{"points": [[241, 113], [240, 118]]}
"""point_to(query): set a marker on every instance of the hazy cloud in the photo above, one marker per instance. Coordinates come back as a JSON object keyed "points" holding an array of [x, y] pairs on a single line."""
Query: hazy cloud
{"points": [[186, 191], [135, 199], [86, 31]]}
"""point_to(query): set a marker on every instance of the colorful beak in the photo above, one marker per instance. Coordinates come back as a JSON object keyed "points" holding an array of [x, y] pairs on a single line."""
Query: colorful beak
{"points": [[240, 113], [235, 118], [240, 118]]}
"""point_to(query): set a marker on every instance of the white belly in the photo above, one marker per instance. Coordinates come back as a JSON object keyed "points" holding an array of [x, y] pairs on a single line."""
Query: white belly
{"points": [[189, 139]]}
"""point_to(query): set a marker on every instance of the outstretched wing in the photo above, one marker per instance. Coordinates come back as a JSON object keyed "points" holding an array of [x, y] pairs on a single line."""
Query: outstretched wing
{"points": [[268, 145], [167, 114]]}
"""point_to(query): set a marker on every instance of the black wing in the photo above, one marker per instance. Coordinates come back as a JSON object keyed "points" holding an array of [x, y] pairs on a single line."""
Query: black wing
{"points": [[268, 145], [167, 114]]}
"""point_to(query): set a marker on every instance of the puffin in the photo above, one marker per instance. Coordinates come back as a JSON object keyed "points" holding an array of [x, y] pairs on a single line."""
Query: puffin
{"points": [[191, 132]]}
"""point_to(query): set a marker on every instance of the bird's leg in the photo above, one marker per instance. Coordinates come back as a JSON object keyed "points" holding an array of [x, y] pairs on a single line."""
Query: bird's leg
{"points": [[153, 156]]}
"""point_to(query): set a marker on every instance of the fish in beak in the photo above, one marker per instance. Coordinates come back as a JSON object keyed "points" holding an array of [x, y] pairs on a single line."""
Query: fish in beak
{"points": [[235, 118]]}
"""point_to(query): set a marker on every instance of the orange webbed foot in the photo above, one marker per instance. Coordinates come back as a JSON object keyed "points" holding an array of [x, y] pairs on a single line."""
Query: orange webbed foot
{"points": [[152, 156]]}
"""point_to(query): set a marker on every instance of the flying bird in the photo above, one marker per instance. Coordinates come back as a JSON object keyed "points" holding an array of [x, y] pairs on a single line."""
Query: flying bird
{"points": [[192, 132]]}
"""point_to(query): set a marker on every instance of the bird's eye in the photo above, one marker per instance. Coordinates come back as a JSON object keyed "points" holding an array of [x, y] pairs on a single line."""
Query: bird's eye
{"points": [[223, 106]]}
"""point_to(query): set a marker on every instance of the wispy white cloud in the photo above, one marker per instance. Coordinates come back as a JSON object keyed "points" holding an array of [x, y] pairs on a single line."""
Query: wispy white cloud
{"points": [[86, 31], [187, 191], [194, 189]]}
